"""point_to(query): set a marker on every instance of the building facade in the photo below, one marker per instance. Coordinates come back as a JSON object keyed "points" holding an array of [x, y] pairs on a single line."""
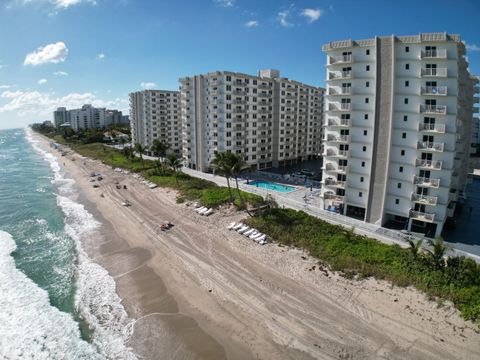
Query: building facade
{"points": [[115, 117], [88, 117], [155, 114], [398, 129], [60, 117], [271, 121]]}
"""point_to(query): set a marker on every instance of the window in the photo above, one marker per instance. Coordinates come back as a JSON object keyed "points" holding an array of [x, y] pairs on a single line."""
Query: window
{"points": [[363, 163], [360, 194], [407, 48], [367, 68], [365, 132], [364, 148], [407, 66], [367, 84], [361, 179], [365, 116], [399, 185], [397, 201], [405, 101], [405, 118], [400, 169], [407, 83], [366, 100], [402, 152], [367, 52], [404, 135]]}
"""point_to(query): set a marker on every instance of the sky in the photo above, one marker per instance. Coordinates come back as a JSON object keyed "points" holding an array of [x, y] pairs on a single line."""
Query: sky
{"points": [[70, 52]]}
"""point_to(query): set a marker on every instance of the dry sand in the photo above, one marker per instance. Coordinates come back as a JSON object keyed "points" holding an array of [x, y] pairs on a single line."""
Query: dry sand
{"points": [[200, 291]]}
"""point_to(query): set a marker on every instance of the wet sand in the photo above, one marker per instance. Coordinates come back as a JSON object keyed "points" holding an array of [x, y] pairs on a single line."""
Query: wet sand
{"points": [[200, 291]]}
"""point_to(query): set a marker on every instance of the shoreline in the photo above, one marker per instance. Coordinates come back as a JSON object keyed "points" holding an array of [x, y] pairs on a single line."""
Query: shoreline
{"points": [[200, 291]]}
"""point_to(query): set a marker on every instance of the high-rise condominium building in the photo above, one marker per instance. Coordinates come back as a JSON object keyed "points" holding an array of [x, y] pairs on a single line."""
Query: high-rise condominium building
{"points": [[155, 114], [88, 117], [398, 129], [271, 121], [61, 117]]}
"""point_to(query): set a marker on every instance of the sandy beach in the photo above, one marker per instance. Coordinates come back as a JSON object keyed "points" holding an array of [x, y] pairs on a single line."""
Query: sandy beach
{"points": [[200, 291]]}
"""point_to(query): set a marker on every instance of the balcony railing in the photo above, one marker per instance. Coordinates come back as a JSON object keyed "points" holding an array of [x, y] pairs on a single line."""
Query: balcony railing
{"points": [[430, 146], [335, 183], [434, 54], [334, 197], [424, 199], [338, 138], [429, 182], [434, 90], [439, 128], [340, 75], [341, 59], [333, 153], [339, 106], [339, 122], [438, 72], [429, 164], [433, 109], [340, 91], [476, 90], [417, 215]]}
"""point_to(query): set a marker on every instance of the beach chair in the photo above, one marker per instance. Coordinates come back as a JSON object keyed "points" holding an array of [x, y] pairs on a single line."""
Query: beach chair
{"points": [[249, 232], [208, 212], [231, 225], [243, 229], [238, 226], [201, 212], [255, 238], [261, 239], [202, 208], [254, 234]]}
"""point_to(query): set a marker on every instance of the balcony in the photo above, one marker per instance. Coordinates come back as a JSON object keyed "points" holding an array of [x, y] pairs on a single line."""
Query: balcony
{"points": [[238, 92], [339, 168], [340, 75], [340, 91], [263, 94], [433, 109], [338, 123], [427, 182], [334, 197], [430, 146], [438, 72], [436, 128], [335, 183], [239, 84], [339, 106], [428, 164], [424, 199], [434, 54], [338, 138], [476, 90], [434, 90], [417, 215], [476, 100], [341, 59]]}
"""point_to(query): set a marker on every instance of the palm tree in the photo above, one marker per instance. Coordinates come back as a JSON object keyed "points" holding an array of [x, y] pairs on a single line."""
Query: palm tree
{"points": [[221, 167], [127, 151], [438, 251], [415, 246], [159, 148], [174, 164], [140, 149], [238, 164]]}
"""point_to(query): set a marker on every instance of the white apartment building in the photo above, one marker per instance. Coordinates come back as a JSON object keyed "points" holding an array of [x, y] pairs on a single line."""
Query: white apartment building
{"points": [[270, 120], [398, 129], [88, 117], [61, 116], [155, 114]]}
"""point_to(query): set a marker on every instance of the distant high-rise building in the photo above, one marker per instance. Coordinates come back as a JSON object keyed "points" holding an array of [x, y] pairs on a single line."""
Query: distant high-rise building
{"points": [[115, 117], [88, 117], [60, 117], [271, 121], [398, 129], [155, 114]]}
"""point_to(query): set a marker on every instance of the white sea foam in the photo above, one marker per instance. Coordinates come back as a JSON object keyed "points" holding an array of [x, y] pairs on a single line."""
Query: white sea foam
{"points": [[30, 327], [96, 298]]}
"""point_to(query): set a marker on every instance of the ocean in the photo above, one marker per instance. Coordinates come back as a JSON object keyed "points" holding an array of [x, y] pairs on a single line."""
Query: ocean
{"points": [[55, 303]]}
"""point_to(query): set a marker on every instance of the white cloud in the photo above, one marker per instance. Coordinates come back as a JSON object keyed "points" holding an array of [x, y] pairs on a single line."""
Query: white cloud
{"points": [[225, 3], [60, 73], [2, 87], [64, 4], [101, 56], [311, 14], [51, 53], [147, 85], [283, 18], [472, 47], [42, 81], [251, 23], [39, 104]]}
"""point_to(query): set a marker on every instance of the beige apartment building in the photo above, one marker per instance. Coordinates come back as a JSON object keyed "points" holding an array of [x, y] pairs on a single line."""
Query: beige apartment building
{"points": [[398, 129], [271, 121]]}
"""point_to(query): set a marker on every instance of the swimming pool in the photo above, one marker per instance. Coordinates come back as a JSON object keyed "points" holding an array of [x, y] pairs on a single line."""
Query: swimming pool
{"points": [[272, 186]]}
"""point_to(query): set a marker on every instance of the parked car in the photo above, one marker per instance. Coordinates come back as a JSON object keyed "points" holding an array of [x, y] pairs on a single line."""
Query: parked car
{"points": [[299, 175]]}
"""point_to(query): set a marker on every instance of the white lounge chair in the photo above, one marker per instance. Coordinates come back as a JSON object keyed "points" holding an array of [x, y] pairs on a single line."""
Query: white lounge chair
{"points": [[230, 227], [255, 238], [255, 233], [263, 242], [201, 212], [238, 226], [203, 208], [243, 229], [249, 232], [208, 212], [261, 239]]}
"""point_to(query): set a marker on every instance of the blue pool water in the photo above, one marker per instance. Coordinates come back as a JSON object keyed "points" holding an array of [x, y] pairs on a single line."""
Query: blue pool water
{"points": [[272, 186]]}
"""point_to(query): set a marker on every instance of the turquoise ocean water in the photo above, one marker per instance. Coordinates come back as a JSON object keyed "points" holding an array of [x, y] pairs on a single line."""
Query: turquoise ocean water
{"points": [[49, 288]]}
